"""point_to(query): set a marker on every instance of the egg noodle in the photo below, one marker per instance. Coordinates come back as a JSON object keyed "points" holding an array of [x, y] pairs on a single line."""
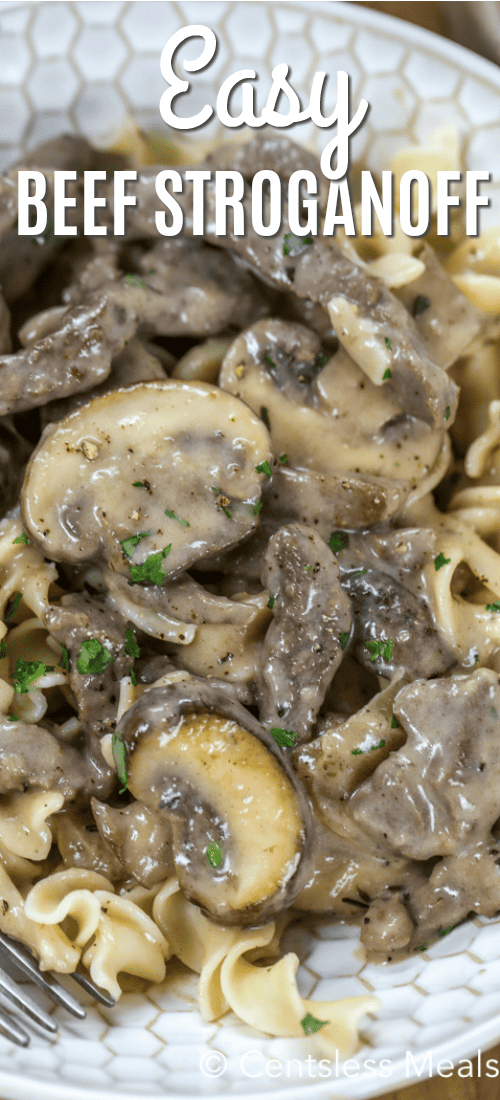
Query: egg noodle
{"points": [[101, 868]]}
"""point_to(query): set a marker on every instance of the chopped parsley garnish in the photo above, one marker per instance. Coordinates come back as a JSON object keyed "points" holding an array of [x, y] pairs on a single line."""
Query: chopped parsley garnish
{"points": [[320, 361], [214, 854], [128, 545], [135, 280], [3, 648], [382, 648], [447, 413], [310, 1024], [12, 607], [223, 501], [22, 538], [387, 374], [360, 574], [394, 724], [27, 672], [141, 484], [120, 759], [270, 362], [93, 657], [339, 540], [172, 515], [13, 718], [308, 568], [360, 752], [293, 243], [255, 508], [283, 460], [440, 561], [493, 606], [283, 737], [271, 601], [150, 570], [264, 416], [421, 302], [356, 752], [381, 745], [388, 343], [423, 947], [343, 640], [131, 646], [446, 931], [133, 678], [64, 659], [264, 468], [493, 712]]}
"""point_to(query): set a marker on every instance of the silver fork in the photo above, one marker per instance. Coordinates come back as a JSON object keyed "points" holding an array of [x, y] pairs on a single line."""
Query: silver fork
{"points": [[16, 954]]}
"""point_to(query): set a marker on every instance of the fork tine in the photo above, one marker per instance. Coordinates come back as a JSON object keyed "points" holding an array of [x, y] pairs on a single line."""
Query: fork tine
{"points": [[12, 1031], [21, 999], [18, 954], [85, 982]]}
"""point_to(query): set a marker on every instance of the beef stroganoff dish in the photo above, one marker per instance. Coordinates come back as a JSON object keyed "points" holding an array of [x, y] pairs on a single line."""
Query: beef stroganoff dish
{"points": [[250, 594]]}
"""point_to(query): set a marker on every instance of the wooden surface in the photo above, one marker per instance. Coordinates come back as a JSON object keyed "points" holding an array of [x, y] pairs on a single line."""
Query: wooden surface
{"points": [[439, 1088]]}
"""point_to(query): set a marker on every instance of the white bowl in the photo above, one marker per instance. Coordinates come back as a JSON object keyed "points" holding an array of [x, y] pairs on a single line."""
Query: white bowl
{"points": [[83, 66]]}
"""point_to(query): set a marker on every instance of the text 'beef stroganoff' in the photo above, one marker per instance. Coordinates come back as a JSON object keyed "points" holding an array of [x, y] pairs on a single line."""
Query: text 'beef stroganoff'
{"points": [[250, 596]]}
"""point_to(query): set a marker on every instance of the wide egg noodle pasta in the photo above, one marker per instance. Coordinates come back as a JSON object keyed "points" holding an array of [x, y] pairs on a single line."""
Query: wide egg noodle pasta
{"points": [[266, 998], [28, 642], [23, 569], [114, 935]]}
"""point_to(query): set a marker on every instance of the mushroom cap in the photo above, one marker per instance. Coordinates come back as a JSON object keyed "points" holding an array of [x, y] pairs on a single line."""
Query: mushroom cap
{"points": [[193, 447], [198, 755]]}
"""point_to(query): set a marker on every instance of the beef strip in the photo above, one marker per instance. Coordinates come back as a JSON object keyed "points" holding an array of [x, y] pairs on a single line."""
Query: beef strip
{"points": [[301, 648], [14, 454], [440, 792], [140, 838], [31, 758], [81, 845], [79, 617], [449, 323]]}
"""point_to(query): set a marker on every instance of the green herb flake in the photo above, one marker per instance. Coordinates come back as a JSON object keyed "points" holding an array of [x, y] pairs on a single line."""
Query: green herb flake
{"points": [[254, 509], [131, 646], [13, 718], [270, 362], [120, 759], [3, 648], [264, 468], [440, 561], [135, 280], [214, 854], [264, 416], [172, 515], [283, 460], [308, 568], [133, 678], [128, 545], [381, 745], [394, 724], [22, 538], [388, 343], [27, 672], [447, 413], [356, 752], [421, 302], [493, 712], [293, 243], [339, 540], [12, 607], [343, 640], [386, 375], [150, 570], [423, 947], [283, 738], [493, 606], [141, 484], [382, 648], [310, 1024], [320, 361], [93, 658], [271, 601], [64, 659], [360, 574]]}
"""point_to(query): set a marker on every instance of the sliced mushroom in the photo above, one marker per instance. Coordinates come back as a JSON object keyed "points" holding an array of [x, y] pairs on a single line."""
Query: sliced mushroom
{"points": [[192, 447], [441, 790], [355, 424], [302, 649], [205, 762], [140, 838]]}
